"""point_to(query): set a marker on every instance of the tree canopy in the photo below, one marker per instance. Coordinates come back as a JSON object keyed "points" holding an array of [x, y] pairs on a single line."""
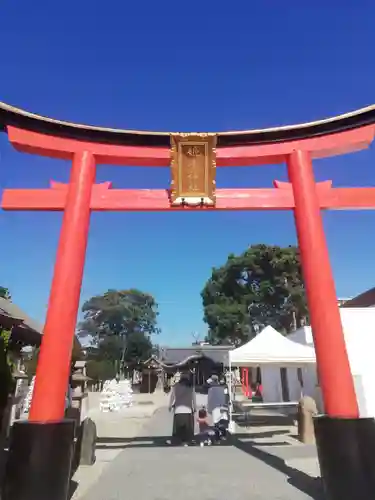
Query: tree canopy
{"points": [[6, 364], [5, 293], [263, 286], [120, 324], [119, 312], [100, 369], [31, 360], [139, 348]]}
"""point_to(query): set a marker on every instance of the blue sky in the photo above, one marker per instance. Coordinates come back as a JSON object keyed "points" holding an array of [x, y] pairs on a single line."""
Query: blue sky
{"points": [[181, 66]]}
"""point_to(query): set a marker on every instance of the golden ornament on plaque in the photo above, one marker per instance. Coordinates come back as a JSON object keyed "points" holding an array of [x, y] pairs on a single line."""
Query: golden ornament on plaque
{"points": [[193, 169]]}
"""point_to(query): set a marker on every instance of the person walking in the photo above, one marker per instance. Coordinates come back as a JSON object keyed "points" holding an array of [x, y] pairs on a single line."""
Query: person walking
{"points": [[217, 399], [183, 404]]}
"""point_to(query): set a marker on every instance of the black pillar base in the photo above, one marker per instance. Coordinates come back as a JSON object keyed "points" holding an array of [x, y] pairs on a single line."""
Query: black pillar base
{"points": [[39, 461], [346, 452]]}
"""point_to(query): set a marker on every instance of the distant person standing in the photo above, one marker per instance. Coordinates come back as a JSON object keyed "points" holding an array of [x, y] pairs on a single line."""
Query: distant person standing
{"points": [[217, 399], [223, 382], [183, 405]]}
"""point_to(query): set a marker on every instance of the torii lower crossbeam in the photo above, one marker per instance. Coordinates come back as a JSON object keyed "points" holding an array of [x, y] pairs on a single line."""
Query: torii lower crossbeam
{"points": [[103, 198]]}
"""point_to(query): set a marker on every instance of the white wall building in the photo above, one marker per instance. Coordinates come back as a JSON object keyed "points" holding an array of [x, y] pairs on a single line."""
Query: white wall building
{"points": [[359, 331]]}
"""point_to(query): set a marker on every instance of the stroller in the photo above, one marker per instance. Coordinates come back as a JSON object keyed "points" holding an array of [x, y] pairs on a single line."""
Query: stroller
{"points": [[221, 426]]}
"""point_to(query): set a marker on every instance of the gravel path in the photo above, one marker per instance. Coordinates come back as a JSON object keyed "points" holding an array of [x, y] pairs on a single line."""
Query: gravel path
{"points": [[149, 469]]}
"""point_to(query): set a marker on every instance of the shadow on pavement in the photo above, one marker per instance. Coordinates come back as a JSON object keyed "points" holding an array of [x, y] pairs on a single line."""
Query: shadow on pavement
{"points": [[243, 442], [112, 443], [72, 488], [308, 485], [140, 442]]}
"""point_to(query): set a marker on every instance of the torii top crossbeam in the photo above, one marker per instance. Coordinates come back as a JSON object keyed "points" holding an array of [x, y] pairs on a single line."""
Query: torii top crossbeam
{"points": [[53, 138]]}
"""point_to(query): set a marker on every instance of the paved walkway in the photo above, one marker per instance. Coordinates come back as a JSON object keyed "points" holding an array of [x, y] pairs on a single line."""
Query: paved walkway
{"points": [[125, 425], [149, 469]]}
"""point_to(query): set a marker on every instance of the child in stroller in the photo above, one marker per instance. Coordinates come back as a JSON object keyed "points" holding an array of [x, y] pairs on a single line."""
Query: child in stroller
{"points": [[207, 434], [211, 435]]}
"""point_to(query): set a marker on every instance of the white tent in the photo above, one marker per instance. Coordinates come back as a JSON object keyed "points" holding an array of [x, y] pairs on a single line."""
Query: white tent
{"points": [[270, 347], [273, 352]]}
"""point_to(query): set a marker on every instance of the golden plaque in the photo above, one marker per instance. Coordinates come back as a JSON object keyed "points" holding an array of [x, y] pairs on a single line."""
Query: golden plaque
{"points": [[193, 169]]}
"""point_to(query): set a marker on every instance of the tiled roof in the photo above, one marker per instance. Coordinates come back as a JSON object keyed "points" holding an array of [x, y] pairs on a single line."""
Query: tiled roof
{"points": [[365, 299], [10, 310]]}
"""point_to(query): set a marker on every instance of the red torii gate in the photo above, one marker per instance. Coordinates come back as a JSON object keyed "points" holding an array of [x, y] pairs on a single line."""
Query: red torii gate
{"points": [[296, 146]]}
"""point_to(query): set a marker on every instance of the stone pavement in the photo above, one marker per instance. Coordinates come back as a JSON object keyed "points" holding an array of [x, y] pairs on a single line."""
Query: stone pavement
{"points": [[149, 469], [125, 425]]}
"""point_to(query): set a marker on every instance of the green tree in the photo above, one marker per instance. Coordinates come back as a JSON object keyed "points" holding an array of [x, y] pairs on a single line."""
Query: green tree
{"points": [[109, 348], [6, 368], [138, 348], [100, 370], [31, 361], [263, 286], [108, 358], [5, 293], [120, 324]]}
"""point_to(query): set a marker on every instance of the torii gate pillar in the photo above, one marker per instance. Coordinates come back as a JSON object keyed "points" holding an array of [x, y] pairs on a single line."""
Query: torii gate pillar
{"points": [[320, 291], [48, 402], [343, 439], [41, 455]]}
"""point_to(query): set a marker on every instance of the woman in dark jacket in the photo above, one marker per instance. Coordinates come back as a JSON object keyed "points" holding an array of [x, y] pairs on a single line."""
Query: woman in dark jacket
{"points": [[183, 405]]}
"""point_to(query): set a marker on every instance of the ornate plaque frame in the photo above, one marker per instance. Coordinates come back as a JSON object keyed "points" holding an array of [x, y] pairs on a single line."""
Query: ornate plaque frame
{"points": [[193, 169]]}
